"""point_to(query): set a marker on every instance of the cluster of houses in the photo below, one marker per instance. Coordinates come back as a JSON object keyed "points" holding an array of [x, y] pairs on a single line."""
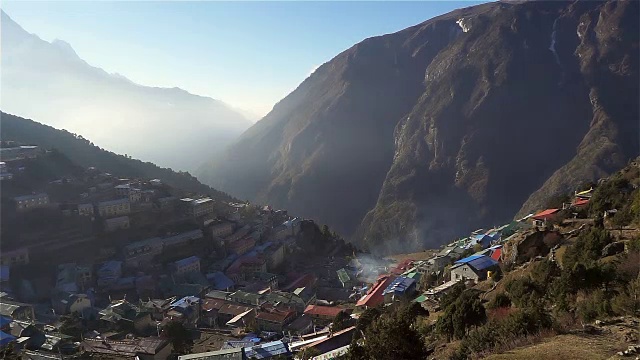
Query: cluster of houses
{"points": [[221, 267], [471, 259]]}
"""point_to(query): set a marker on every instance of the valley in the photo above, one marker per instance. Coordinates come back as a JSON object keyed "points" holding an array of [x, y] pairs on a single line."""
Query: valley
{"points": [[467, 187], [177, 273]]}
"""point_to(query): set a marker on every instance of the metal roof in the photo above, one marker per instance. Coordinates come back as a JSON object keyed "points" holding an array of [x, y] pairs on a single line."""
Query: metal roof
{"points": [[420, 299], [185, 302], [468, 259], [202, 201], [220, 280], [267, 350], [343, 276], [5, 272], [482, 262], [187, 261], [225, 354], [31, 196], [546, 213], [113, 202], [6, 338], [399, 285]]}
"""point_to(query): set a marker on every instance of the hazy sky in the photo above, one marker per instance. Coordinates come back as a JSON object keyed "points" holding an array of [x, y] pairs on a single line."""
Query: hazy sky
{"points": [[248, 54]]}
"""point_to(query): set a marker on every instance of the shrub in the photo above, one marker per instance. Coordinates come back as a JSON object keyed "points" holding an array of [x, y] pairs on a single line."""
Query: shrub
{"points": [[587, 249], [398, 328], [501, 300], [634, 244], [523, 323], [523, 292], [627, 302], [459, 316], [543, 273], [595, 305], [609, 195]]}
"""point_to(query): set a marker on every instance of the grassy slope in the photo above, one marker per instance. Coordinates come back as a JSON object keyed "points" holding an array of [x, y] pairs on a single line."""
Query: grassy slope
{"points": [[566, 347]]}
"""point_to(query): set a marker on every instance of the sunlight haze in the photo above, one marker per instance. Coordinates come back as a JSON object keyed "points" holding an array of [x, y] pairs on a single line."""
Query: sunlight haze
{"points": [[239, 52]]}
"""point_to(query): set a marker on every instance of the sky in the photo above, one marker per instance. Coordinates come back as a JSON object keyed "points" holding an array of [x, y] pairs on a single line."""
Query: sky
{"points": [[247, 54]]}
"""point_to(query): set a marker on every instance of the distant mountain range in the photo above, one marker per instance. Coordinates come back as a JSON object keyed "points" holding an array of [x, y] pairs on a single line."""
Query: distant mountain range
{"points": [[169, 126], [410, 139]]}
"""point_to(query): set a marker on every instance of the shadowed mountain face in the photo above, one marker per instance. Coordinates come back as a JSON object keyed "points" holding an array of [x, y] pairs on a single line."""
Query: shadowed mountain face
{"points": [[171, 127], [410, 139]]}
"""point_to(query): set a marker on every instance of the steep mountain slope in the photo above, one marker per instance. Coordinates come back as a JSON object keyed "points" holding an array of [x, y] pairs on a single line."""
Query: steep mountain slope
{"points": [[170, 127], [82, 152], [409, 139]]}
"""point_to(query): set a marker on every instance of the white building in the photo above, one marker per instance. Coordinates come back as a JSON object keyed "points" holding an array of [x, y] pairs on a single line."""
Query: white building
{"points": [[140, 252], [19, 152], [66, 303], [126, 190], [123, 190], [117, 207], [15, 257], [117, 223], [4, 174], [26, 202], [85, 209], [198, 207]]}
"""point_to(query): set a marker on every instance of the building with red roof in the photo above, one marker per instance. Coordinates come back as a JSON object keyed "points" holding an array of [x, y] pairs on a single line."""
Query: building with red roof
{"points": [[334, 341], [543, 216], [323, 313], [579, 203], [374, 296], [210, 309], [271, 318], [497, 254], [242, 246], [306, 280]]}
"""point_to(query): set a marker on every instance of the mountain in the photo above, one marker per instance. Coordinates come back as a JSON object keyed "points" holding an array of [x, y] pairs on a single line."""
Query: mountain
{"points": [[410, 139], [82, 152], [168, 126]]}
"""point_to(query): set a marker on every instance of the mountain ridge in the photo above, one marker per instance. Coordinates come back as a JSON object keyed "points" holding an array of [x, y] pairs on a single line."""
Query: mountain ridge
{"points": [[73, 93], [84, 153], [409, 139]]}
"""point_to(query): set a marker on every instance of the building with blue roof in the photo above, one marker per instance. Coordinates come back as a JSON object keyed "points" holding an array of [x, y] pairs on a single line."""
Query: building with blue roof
{"points": [[482, 239], [5, 338], [468, 258], [220, 281], [5, 273], [494, 235], [5, 323], [400, 288], [184, 309], [187, 265], [268, 350], [475, 267]]}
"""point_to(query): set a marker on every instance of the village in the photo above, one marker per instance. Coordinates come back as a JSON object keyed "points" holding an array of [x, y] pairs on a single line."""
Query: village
{"points": [[131, 268]]}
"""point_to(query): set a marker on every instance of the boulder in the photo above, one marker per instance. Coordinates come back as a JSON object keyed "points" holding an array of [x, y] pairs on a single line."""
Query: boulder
{"points": [[613, 248]]}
